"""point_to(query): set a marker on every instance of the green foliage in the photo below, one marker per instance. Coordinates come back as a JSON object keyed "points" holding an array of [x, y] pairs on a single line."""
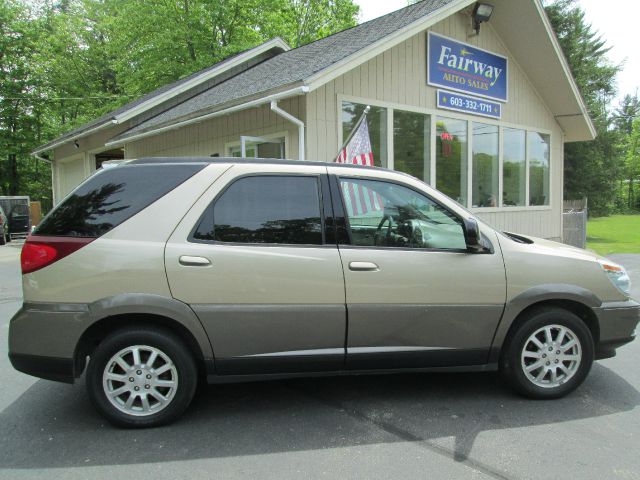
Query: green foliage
{"points": [[592, 169]]}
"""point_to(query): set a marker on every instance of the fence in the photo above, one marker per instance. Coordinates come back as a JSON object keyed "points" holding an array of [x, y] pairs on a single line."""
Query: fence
{"points": [[574, 222]]}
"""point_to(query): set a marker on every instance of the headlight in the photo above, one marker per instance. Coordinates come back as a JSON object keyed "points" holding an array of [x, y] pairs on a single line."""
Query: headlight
{"points": [[618, 276]]}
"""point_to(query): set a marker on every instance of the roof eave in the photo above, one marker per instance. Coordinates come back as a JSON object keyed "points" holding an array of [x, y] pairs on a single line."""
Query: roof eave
{"points": [[225, 109], [66, 139]]}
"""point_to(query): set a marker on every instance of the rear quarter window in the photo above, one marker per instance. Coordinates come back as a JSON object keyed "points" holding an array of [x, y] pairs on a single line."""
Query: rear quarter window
{"points": [[111, 197]]}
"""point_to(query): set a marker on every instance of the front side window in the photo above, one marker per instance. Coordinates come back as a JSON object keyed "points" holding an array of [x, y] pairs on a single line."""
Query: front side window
{"points": [[265, 209], [383, 214]]}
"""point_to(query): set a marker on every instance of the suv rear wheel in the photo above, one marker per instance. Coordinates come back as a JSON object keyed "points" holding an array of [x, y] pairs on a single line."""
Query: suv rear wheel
{"points": [[549, 354], [141, 377]]}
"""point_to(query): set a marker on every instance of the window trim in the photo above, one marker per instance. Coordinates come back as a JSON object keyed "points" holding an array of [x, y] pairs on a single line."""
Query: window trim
{"points": [[321, 204], [410, 249], [433, 112], [269, 136]]}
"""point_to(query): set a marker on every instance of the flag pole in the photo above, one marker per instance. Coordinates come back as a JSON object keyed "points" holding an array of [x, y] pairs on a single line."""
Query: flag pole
{"points": [[355, 128]]}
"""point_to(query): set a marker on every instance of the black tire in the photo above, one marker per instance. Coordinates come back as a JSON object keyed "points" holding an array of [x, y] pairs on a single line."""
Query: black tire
{"points": [[511, 365], [165, 342], [3, 239]]}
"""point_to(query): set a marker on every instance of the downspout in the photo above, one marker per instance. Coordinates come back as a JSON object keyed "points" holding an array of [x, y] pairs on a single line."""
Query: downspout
{"points": [[277, 110]]}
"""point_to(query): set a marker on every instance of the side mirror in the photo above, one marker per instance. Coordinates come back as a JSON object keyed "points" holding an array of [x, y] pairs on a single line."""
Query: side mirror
{"points": [[472, 235]]}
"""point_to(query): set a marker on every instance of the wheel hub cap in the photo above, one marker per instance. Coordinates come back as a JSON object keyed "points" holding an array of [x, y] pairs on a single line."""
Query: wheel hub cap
{"points": [[140, 380], [551, 356]]}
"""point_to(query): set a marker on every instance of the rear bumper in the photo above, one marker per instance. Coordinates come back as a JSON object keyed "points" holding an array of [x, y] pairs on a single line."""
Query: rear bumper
{"points": [[618, 322], [43, 339], [50, 368]]}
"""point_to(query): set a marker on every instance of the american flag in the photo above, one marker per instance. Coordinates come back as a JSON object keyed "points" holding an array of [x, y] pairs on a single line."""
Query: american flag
{"points": [[359, 199], [358, 151]]}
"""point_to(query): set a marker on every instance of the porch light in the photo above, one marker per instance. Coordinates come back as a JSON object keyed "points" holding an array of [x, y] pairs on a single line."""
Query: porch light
{"points": [[481, 13]]}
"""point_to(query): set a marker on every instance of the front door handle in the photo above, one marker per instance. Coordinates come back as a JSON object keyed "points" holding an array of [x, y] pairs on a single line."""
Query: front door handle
{"points": [[363, 267], [189, 261]]}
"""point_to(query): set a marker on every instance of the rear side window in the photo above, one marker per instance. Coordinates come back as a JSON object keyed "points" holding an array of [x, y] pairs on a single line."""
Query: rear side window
{"points": [[112, 196], [265, 209]]}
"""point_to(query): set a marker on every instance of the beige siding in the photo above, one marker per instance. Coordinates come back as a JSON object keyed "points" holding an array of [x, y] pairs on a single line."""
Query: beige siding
{"points": [[398, 78], [68, 175], [212, 136]]}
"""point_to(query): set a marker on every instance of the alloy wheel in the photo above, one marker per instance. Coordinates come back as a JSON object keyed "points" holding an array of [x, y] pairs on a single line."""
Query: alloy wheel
{"points": [[551, 356], [140, 380]]}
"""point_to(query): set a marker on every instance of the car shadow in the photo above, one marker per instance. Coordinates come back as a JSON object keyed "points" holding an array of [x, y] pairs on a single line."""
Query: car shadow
{"points": [[53, 425]]}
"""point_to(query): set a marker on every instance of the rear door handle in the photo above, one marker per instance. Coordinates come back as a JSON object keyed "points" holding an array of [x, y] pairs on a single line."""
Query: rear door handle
{"points": [[189, 261], [363, 267]]}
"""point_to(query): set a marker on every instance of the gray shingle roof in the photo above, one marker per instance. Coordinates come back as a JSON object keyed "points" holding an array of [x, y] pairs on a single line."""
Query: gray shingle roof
{"points": [[294, 66]]}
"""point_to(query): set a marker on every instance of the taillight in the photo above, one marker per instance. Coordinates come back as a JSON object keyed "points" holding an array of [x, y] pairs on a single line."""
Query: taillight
{"points": [[39, 252]]}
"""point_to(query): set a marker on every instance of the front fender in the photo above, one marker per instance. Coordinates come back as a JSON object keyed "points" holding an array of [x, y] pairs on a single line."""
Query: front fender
{"points": [[535, 295]]}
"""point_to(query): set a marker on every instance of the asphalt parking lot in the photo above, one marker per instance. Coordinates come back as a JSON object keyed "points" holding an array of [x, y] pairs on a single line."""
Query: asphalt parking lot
{"points": [[406, 426]]}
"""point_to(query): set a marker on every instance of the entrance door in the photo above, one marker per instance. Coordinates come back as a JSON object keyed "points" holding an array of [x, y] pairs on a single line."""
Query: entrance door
{"points": [[251, 260], [415, 296]]}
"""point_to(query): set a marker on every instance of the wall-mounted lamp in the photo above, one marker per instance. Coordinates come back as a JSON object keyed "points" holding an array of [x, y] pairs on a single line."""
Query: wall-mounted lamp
{"points": [[76, 144], [481, 13]]}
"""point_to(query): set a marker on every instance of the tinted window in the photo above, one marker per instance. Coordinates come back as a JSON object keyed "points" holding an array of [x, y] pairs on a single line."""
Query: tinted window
{"points": [[112, 196], [267, 209], [384, 214]]}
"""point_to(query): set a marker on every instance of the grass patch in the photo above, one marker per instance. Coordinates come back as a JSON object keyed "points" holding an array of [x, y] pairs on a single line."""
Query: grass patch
{"points": [[615, 234]]}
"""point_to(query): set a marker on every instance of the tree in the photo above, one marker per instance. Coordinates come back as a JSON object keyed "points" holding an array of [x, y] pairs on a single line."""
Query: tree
{"points": [[592, 169], [19, 108]]}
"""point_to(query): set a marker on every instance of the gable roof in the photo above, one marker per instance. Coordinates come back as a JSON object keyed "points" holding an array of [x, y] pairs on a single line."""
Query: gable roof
{"points": [[166, 92]]}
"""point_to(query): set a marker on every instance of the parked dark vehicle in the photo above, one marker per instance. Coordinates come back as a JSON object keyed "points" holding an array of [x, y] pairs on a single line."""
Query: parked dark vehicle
{"points": [[19, 220], [4, 228], [18, 215]]}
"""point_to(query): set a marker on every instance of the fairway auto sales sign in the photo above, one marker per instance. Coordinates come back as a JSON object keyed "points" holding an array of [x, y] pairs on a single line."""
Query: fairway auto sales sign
{"points": [[462, 67]]}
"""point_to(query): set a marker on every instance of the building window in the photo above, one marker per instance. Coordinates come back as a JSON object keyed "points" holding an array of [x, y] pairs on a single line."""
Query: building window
{"points": [[411, 144], [485, 165], [538, 169], [259, 147], [514, 168], [451, 158], [377, 123], [502, 159]]}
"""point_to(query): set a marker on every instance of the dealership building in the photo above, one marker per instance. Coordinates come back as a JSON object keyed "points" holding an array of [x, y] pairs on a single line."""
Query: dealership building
{"points": [[474, 100]]}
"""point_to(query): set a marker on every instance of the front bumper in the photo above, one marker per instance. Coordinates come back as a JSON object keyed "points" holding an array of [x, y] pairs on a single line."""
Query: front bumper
{"points": [[618, 322]]}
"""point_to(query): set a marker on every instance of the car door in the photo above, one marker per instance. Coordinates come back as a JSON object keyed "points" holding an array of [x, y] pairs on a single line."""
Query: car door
{"points": [[415, 296], [253, 260]]}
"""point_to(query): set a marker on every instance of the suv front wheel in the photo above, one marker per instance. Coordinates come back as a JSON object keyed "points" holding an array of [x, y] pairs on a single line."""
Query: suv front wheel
{"points": [[549, 354], [141, 377]]}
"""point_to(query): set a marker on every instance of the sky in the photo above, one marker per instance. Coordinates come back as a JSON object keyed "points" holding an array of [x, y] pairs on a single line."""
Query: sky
{"points": [[616, 20]]}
